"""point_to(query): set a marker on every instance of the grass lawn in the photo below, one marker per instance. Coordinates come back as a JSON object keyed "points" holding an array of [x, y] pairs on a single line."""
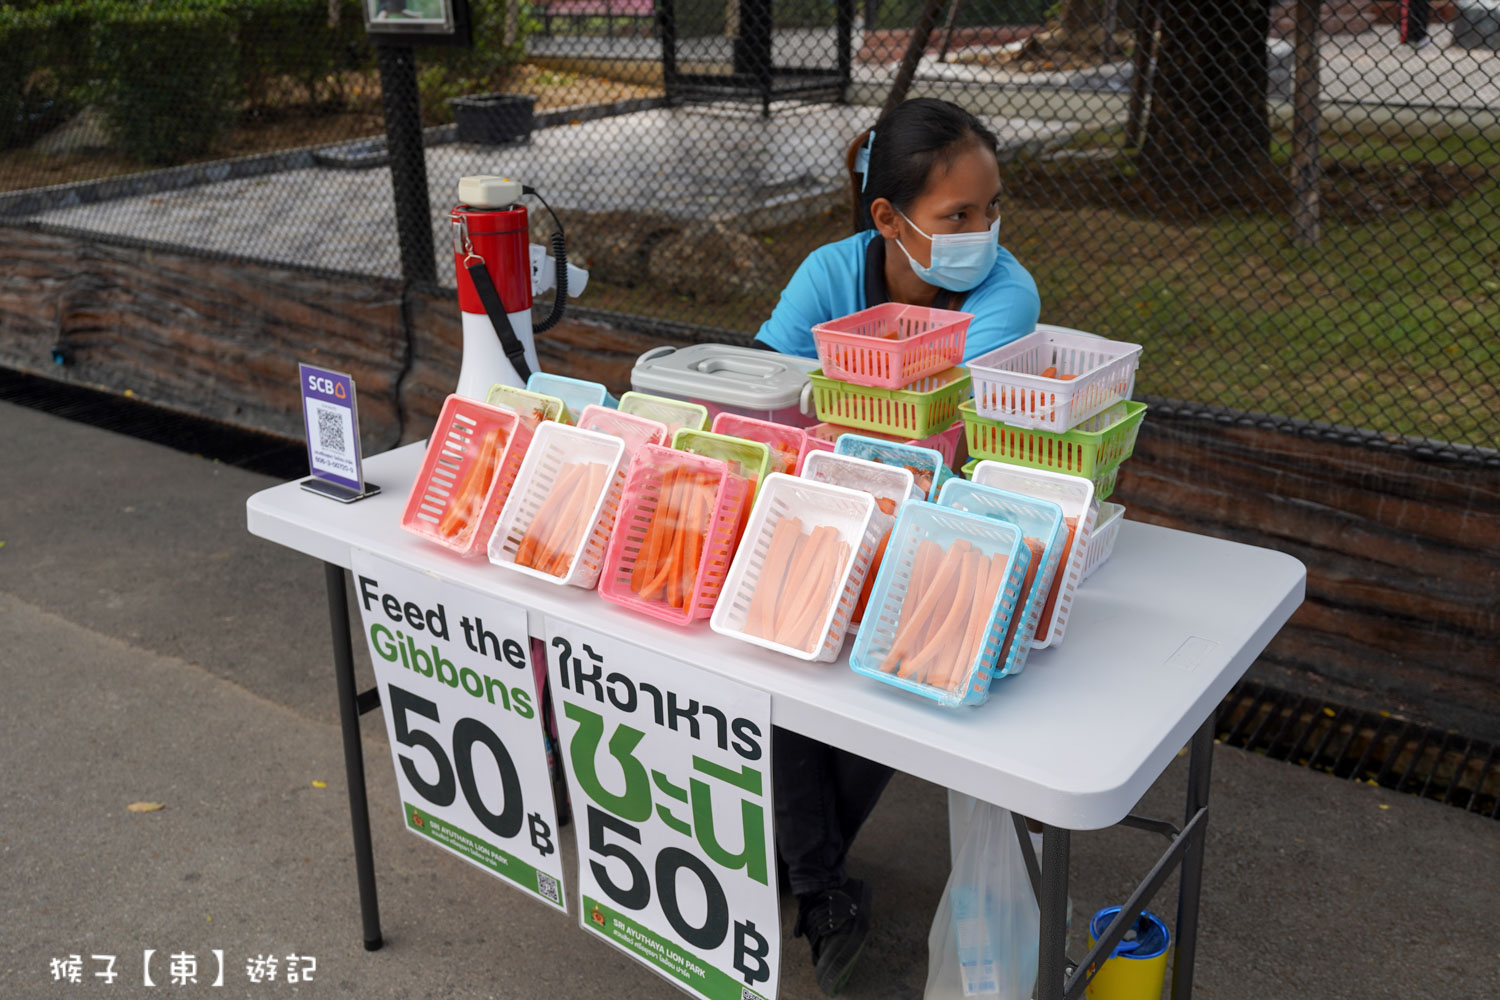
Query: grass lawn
{"points": [[1392, 323]]}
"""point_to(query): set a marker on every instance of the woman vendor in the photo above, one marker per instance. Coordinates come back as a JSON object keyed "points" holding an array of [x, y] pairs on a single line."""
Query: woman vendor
{"points": [[927, 182]]}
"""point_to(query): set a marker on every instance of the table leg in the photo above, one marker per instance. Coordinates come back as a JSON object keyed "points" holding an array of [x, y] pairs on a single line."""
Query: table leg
{"points": [[1186, 945], [354, 757], [1052, 958]]}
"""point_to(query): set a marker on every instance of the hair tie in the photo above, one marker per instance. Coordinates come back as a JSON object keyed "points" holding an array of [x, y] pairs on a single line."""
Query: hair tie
{"points": [[862, 161]]}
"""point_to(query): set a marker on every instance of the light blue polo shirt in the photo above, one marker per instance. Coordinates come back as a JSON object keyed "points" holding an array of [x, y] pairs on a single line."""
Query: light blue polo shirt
{"points": [[831, 283]]}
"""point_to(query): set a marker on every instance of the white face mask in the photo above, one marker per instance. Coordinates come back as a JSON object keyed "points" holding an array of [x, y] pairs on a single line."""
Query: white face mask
{"points": [[959, 261]]}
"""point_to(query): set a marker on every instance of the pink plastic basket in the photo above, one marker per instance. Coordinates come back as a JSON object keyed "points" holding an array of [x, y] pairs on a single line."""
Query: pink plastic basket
{"points": [[443, 484], [890, 346], [786, 443], [643, 494], [944, 442], [633, 430]]}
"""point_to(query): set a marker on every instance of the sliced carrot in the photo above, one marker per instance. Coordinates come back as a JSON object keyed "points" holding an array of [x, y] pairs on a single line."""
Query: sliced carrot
{"points": [[772, 575], [887, 506], [806, 633], [796, 576], [1035, 546], [1049, 372], [982, 615], [697, 513], [659, 539], [944, 580], [798, 594], [535, 544], [869, 584], [469, 496], [1045, 622], [933, 662]]}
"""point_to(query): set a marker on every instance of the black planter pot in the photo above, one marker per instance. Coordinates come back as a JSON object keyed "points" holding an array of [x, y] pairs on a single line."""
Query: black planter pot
{"points": [[493, 119]]}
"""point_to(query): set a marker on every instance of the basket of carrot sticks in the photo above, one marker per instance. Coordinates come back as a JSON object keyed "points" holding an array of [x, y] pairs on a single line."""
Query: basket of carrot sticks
{"points": [[1075, 495], [926, 466], [634, 431], [675, 413], [943, 604], [533, 407], [559, 514], [786, 443], [890, 485], [1053, 379], [799, 568], [675, 534], [467, 473], [1043, 532]]}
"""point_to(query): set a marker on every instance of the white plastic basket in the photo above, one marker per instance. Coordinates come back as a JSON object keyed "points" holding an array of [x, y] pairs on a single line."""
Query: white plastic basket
{"points": [[1075, 495], [1009, 385], [1102, 541], [555, 447], [814, 504], [883, 482]]}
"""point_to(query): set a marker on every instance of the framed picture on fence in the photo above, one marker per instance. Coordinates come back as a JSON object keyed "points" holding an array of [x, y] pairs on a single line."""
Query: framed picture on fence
{"points": [[417, 22]]}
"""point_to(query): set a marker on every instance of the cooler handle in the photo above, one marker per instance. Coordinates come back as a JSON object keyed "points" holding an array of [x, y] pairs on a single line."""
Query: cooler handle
{"points": [[805, 404], [654, 353]]}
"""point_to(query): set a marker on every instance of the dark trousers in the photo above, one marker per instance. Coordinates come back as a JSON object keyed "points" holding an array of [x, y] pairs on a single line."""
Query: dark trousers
{"points": [[1414, 17], [823, 796]]}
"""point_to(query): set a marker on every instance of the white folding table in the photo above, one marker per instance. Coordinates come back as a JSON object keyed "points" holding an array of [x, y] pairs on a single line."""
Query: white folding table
{"points": [[1157, 638]]}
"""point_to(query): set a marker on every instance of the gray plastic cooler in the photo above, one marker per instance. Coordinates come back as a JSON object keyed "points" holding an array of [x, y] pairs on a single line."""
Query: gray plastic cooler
{"points": [[740, 380]]}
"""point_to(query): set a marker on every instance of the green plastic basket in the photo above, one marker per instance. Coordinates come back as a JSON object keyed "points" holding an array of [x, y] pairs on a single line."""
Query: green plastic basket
{"points": [[748, 459], [1099, 443], [1104, 480], [921, 409]]}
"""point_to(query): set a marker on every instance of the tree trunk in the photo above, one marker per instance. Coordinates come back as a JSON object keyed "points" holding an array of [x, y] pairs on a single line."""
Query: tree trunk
{"points": [[1208, 125]]}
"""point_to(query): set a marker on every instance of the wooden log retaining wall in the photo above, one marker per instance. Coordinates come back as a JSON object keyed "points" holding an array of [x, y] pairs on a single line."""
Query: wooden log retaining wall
{"points": [[1403, 553]]}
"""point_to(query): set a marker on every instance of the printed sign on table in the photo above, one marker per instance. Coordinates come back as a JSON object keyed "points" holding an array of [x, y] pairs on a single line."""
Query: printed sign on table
{"points": [[462, 714], [331, 421], [669, 770]]}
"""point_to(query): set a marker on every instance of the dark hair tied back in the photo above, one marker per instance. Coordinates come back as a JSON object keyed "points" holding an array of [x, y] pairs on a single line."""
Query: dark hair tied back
{"points": [[910, 140]]}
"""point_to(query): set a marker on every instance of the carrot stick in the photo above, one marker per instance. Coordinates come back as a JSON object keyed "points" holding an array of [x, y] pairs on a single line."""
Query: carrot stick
{"points": [[797, 578], [992, 575], [933, 663], [1045, 622], [573, 519], [673, 568], [772, 574], [653, 547], [650, 541], [870, 574], [1035, 546], [793, 606], [805, 633], [919, 639], [533, 548], [473, 487], [696, 538], [924, 567], [942, 583]]}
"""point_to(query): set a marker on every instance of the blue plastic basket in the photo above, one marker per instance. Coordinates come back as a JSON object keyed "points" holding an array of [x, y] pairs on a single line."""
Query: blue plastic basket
{"points": [[919, 521], [575, 392], [1036, 518], [896, 453]]}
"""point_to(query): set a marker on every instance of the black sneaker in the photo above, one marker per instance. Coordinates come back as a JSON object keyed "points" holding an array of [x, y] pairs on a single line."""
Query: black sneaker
{"points": [[835, 922]]}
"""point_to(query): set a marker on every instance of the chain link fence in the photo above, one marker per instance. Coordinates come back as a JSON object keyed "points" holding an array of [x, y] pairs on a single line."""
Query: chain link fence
{"points": [[1290, 205]]}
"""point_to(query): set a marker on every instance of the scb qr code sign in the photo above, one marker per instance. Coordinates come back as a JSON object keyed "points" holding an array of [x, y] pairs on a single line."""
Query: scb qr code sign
{"points": [[332, 423]]}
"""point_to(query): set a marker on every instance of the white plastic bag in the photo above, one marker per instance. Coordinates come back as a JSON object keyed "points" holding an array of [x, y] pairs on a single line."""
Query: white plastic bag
{"points": [[984, 938]]}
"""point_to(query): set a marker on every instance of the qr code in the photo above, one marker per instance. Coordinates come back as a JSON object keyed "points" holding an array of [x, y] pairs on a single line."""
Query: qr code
{"points": [[331, 429], [547, 886], [746, 993]]}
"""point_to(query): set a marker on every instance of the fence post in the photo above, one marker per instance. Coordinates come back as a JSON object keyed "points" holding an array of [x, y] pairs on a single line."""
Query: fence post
{"points": [[1306, 125], [403, 137]]}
